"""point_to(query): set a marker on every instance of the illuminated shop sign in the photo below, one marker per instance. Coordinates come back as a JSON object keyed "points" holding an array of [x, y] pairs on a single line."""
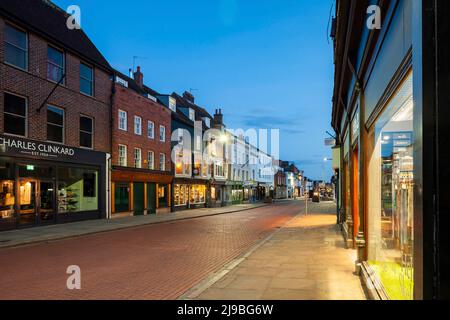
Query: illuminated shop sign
{"points": [[20, 147]]}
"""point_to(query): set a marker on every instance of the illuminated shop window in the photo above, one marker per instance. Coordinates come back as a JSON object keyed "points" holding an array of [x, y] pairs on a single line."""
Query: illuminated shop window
{"points": [[391, 175]]}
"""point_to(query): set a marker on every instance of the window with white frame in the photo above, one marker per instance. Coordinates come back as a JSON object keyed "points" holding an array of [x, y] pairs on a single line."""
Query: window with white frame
{"points": [[137, 125], [151, 130], [172, 104], [137, 158], [55, 124], [86, 79], [162, 133], [192, 114], [122, 155], [122, 120], [55, 64], [162, 162], [15, 115], [151, 160], [16, 47], [86, 132]]}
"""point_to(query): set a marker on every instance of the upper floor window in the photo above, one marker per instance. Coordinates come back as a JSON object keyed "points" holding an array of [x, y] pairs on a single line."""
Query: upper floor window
{"points": [[172, 104], [86, 79], [122, 120], [55, 124], [192, 114], [162, 133], [122, 155], [137, 158], [86, 132], [162, 162], [151, 160], [151, 130], [15, 115], [16, 47], [137, 125], [55, 64]]}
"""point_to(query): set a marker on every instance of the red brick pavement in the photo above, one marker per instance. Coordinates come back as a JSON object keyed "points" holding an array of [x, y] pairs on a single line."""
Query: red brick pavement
{"points": [[150, 262]]}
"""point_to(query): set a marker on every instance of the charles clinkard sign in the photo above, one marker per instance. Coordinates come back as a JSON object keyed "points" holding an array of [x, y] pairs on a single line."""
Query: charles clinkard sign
{"points": [[16, 146]]}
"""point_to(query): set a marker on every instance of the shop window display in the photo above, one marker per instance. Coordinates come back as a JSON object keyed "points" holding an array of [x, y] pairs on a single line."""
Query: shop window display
{"points": [[197, 194], [180, 194], [391, 195], [77, 190], [7, 199]]}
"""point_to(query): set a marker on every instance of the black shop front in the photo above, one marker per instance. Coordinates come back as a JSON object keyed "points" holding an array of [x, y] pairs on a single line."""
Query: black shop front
{"points": [[43, 183]]}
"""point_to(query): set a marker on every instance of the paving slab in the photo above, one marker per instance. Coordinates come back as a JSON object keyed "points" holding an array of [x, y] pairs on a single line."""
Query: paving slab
{"points": [[305, 260]]}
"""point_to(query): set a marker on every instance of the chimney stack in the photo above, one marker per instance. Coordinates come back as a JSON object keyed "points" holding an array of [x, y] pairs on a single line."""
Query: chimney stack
{"points": [[139, 77], [218, 119], [189, 96]]}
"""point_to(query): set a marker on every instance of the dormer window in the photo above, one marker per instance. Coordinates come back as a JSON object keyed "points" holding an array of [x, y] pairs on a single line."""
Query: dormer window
{"points": [[173, 104], [207, 122], [122, 82], [191, 114], [149, 96]]}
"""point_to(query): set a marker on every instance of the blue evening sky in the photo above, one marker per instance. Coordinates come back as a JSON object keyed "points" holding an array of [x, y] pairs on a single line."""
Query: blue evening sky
{"points": [[266, 63]]}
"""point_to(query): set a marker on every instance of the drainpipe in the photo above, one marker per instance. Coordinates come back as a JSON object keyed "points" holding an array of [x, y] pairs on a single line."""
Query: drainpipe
{"points": [[109, 162]]}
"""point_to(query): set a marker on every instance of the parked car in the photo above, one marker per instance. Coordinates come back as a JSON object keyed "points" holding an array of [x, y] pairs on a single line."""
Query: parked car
{"points": [[316, 197]]}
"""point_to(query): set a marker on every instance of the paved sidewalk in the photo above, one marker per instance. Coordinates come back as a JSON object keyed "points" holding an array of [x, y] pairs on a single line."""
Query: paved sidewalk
{"points": [[69, 230], [304, 260]]}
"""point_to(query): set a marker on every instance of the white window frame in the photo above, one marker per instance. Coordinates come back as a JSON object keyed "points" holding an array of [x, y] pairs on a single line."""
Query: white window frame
{"points": [[122, 112], [162, 164], [151, 164], [15, 115], [162, 137], [91, 133], [138, 125], [151, 134], [122, 163], [137, 160], [23, 49], [191, 114], [90, 80], [63, 126], [173, 104], [63, 67]]}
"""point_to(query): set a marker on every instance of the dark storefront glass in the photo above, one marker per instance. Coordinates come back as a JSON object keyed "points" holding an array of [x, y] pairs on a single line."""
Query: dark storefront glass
{"points": [[77, 190], [122, 197]]}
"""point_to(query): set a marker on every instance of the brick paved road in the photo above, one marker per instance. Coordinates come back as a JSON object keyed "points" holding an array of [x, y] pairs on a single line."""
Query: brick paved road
{"points": [[150, 262]]}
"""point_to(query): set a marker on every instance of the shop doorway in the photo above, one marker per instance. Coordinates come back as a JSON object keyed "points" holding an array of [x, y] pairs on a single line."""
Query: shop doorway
{"points": [[36, 202], [151, 198], [138, 191]]}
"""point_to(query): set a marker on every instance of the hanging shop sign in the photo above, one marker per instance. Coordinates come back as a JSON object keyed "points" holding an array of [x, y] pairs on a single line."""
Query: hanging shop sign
{"points": [[20, 147]]}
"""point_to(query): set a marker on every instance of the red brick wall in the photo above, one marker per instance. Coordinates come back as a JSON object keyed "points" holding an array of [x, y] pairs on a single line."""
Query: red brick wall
{"points": [[33, 85], [136, 105]]}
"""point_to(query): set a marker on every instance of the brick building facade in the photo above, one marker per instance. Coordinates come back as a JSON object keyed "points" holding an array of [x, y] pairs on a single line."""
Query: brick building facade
{"points": [[55, 93], [141, 157]]}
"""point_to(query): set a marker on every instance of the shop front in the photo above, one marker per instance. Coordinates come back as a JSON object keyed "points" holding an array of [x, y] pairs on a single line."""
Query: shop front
{"points": [[43, 183], [237, 193], [217, 193], [390, 195], [136, 192], [189, 194]]}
